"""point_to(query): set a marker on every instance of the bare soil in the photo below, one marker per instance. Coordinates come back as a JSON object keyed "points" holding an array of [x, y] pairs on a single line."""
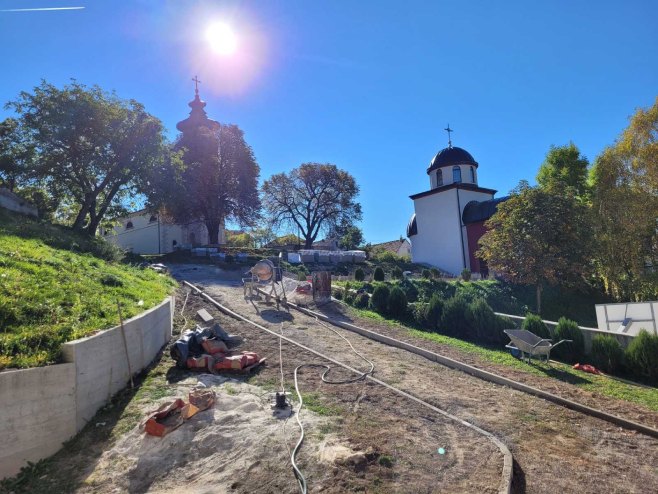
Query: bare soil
{"points": [[554, 448]]}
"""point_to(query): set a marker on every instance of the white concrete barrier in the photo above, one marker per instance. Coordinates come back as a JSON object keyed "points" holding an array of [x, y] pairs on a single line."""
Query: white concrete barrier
{"points": [[40, 408]]}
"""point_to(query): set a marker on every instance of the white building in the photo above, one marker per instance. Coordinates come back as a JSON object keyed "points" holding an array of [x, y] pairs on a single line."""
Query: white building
{"points": [[437, 230], [142, 232]]}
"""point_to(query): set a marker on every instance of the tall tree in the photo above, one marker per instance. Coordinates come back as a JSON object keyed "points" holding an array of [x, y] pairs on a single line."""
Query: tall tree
{"points": [[312, 198], [216, 182], [625, 206], [538, 237], [91, 146], [564, 167], [16, 155]]}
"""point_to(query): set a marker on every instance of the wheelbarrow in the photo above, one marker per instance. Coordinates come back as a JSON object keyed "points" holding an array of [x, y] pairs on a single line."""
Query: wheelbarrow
{"points": [[530, 344]]}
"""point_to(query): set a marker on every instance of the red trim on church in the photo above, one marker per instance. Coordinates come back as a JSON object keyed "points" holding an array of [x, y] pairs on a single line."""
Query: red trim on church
{"points": [[474, 232]]}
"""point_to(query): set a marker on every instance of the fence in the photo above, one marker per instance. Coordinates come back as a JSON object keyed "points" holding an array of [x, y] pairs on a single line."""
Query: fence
{"points": [[45, 406]]}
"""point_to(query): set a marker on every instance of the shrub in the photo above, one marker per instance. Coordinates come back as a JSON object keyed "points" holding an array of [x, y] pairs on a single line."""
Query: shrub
{"points": [[483, 322], [568, 330], [349, 298], [379, 299], [397, 273], [301, 276], [642, 357], [359, 275], [409, 289], [434, 312], [419, 311], [378, 275], [361, 300], [397, 303], [426, 273], [453, 319], [466, 274], [534, 324], [435, 273], [338, 294], [607, 353]]}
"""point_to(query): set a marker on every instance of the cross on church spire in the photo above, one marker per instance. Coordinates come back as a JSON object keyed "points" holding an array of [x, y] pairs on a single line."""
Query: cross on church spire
{"points": [[449, 130], [196, 85]]}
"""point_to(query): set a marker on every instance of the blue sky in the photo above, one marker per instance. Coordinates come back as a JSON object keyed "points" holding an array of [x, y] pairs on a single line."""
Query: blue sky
{"points": [[367, 85]]}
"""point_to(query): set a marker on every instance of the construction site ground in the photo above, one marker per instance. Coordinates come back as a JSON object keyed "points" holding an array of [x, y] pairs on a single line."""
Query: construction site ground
{"points": [[361, 437]]}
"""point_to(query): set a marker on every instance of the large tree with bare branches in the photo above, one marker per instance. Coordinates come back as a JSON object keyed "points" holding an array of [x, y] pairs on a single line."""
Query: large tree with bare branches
{"points": [[313, 198]]}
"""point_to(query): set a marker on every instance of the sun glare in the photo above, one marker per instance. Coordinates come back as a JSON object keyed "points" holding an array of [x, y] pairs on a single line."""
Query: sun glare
{"points": [[221, 38]]}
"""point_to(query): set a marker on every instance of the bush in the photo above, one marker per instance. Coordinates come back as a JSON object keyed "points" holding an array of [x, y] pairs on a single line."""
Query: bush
{"points": [[642, 357], [359, 275], [434, 312], [397, 273], [466, 274], [301, 276], [568, 330], [379, 299], [419, 311], [361, 300], [397, 303], [435, 273], [338, 294], [426, 273], [349, 298], [409, 289], [483, 322], [453, 319], [378, 275], [534, 324], [607, 353]]}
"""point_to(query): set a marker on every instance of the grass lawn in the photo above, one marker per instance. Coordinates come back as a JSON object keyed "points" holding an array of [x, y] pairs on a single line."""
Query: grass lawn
{"points": [[603, 385], [56, 286]]}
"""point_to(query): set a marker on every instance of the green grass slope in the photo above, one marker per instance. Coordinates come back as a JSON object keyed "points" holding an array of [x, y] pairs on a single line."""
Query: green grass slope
{"points": [[56, 286]]}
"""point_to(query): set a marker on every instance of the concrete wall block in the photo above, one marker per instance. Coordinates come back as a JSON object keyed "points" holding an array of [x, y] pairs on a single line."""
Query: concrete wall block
{"points": [[37, 414]]}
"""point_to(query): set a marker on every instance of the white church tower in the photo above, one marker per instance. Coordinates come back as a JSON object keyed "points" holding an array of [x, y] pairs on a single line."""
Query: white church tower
{"points": [[436, 231]]}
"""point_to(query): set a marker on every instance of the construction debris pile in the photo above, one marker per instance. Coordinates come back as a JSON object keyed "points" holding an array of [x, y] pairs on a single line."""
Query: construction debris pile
{"points": [[211, 349]]}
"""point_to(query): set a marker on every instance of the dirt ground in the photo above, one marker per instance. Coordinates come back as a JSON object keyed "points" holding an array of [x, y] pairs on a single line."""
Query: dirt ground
{"points": [[554, 448]]}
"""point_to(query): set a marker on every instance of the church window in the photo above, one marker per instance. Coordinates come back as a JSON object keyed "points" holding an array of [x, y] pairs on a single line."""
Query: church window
{"points": [[456, 174], [472, 175], [439, 178], [129, 225]]}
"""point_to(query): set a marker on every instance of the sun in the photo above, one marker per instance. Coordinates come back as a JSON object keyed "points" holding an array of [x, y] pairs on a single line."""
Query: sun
{"points": [[222, 39]]}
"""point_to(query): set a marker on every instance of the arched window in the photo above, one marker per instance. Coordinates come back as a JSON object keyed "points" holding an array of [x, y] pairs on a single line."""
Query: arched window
{"points": [[456, 174], [472, 175], [129, 225], [439, 178], [153, 218]]}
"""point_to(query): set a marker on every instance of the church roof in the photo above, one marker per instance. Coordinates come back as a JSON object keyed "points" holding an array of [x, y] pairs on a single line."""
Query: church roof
{"points": [[476, 211], [412, 227], [451, 155], [198, 117]]}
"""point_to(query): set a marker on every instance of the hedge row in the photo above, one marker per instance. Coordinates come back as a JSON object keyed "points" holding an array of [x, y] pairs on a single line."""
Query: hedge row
{"points": [[472, 319]]}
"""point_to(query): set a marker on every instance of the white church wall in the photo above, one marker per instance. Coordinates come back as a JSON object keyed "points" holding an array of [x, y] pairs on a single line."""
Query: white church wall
{"points": [[438, 242]]}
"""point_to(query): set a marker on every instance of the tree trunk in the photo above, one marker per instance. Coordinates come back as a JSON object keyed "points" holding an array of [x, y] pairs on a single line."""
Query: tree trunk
{"points": [[213, 231], [308, 243], [539, 298]]}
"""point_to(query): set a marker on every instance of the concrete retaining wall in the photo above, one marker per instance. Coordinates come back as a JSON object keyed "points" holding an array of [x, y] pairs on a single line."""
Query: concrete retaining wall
{"points": [[45, 406], [11, 201]]}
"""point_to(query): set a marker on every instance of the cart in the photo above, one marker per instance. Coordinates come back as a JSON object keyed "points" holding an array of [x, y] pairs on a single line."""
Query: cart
{"points": [[530, 344]]}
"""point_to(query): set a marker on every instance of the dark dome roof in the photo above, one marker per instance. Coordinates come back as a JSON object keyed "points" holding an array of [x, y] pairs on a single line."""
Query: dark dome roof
{"points": [[412, 226], [451, 156], [476, 211]]}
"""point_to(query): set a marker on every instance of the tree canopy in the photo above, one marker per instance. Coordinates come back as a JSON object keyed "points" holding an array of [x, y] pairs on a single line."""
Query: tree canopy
{"points": [[625, 206], [538, 237], [564, 167], [92, 149], [313, 198], [215, 180]]}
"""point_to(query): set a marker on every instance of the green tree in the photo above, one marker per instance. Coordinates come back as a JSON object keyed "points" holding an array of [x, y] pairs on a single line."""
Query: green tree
{"points": [[217, 180], [93, 150], [564, 167], [313, 198], [16, 155], [241, 239], [538, 237], [625, 200], [351, 239]]}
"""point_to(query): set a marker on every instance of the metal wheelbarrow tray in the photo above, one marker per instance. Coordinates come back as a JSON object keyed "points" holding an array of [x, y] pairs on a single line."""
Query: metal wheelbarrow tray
{"points": [[530, 344]]}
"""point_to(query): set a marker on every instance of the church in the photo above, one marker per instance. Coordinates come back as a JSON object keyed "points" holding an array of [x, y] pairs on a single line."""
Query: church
{"points": [[449, 218]]}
